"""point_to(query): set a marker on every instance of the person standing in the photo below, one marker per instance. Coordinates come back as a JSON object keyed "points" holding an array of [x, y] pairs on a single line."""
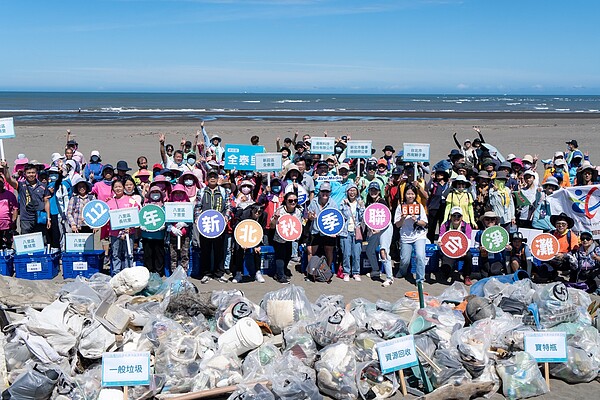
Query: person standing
{"points": [[9, 212], [121, 252], [413, 233], [379, 239], [353, 210], [31, 199]]}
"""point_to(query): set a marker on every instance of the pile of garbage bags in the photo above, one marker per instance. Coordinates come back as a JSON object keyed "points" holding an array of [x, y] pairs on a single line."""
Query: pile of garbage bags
{"points": [[286, 347]]}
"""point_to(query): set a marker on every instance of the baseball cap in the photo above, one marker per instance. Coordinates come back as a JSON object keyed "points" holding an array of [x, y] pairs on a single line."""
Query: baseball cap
{"points": [[456, 210], [157, 166], [559, 161], [510, 157], [559, 154], [374, 185], [344, 166], [325, 187], [573, 142]]}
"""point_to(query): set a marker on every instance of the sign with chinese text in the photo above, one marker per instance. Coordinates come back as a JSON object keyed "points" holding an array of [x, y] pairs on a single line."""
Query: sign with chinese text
{"points": [[241, 156], [152, 217], [268, 162], [377, 216], [96, 214], [330, 222], [416, 152], [301, 192], [396, 354], [211, 224], [545, 247], [79, 242], [30, 243], [359, 148], [322, 145], [7, 128], [454, 244], [126, 369], [411, 209], [248, 233], [124, 218], [494, 239], [179, 212], [289, 227], [548, 347]]}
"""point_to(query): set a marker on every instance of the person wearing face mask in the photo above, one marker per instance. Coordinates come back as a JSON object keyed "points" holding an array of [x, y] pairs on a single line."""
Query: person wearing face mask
{"points": [[164, 184], [179, 248], [93, 170], [502, 203], [56, 200], [558, 170], [189, 164], [9, 212], [244, 196], [542, 213], [459, 196], [191, 185], [154, 242], [270, 199], [81, 196]]}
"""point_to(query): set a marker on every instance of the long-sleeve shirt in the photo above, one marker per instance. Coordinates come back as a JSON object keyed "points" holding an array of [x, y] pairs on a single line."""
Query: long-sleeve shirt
{"points": [[75, 210]]}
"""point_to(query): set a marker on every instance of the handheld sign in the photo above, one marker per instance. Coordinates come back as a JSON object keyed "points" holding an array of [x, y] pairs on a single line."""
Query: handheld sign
{"points": [[494, 239], [152, 217], [7, 128], [545, 247], [96, 214], [241, 156], [454, 244], [79, 242], [268, 162], [411, 209], [302, 193], [377, 216], [30, 243], [248, 233], [289, 227], [126, 369], [416, 152], [179, 212], [322, 145], [330, 222], [211, 224], [359, 148], [124, 218]]}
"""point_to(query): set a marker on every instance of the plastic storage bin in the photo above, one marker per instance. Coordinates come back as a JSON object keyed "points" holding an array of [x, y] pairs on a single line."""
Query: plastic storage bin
{"points": [[37, 266], [83, 264], [7, 267]]}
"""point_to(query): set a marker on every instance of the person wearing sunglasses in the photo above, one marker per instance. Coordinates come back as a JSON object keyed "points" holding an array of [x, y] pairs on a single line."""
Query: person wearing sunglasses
{"points": [[283, 248], [565, 260], [587, 274]]}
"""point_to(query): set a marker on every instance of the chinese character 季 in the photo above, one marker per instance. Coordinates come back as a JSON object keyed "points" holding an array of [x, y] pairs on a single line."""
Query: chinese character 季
{"points": [[330, 222]]}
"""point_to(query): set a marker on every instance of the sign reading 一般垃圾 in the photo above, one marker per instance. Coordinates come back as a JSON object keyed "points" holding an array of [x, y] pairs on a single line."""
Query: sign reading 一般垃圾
{"points": [[268, 162], [416, 152], [179, 212], [7, 128], [548, 347], [126, 369], [322, 145], [29, 243], [396, 354], [359, 148], [241, 156]]}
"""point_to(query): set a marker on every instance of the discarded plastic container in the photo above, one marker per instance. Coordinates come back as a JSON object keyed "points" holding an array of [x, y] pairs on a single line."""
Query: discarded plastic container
{"points": [[244, 336]]}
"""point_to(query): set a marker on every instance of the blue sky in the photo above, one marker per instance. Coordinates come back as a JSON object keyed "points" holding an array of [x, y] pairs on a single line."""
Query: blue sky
{"points": [[345, 46]]}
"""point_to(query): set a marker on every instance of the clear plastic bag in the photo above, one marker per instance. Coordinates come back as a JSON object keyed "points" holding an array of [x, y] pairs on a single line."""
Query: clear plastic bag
{"points": [[336, 369], [521, 377], [36, 383], [332, 325], [252, 392], [300, 343], [292, 380], [233, 308], [472, 345], [255, 364], [405, 308], [326, 300], [372, 384], [224, 369], [364, 345], [456, 293], [580, 367], [451, 369], [286, 306]]}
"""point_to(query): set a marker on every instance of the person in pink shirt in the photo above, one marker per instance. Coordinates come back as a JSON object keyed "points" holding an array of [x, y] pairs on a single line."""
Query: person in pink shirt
{"points": [[121, 255], [102, 189], [9, 211]]}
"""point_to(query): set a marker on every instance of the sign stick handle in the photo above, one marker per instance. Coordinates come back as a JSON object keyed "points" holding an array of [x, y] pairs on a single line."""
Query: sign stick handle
{"points": [[358, 167], [421, 297], [416, 171], [2, 150], [125, 393], [129, 252], [403, 383], [269, 179], [178, 242], [547, 374]]}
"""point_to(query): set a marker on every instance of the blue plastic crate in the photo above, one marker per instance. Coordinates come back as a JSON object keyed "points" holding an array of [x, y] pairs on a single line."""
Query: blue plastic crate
{"points": [[432, 259], [475, 265], [82, 264], [7, 267], [37, 266]]}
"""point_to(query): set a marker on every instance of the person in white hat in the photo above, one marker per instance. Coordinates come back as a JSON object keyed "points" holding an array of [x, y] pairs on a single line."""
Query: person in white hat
{"points": [[542, 213], [456, 223], [93, 170], [460, 196], [558, 170], [526, 199]]}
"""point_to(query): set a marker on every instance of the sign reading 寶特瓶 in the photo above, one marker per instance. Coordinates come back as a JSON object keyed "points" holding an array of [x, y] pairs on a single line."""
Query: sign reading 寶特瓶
{"points": [[126, 369], [179, 212], [241, 156], [359, 148], [416, 152], [396, 354], [7, 128], [322, 145], [547, 346], [268, 162]]}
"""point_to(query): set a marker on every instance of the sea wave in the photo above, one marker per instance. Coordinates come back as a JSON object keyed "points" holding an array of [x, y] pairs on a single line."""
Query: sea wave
{"points": [[250, 101], [541, 108], [291, 101]]}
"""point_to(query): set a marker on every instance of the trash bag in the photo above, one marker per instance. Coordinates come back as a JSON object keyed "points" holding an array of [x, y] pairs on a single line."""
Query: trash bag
{"points": [[405, 308], [224, 369], [333, 324], [292, 380], [286, 306], [372, 384], [154, 285], [336, 369], [253, 392], [456, 293], [36, 383], [385, 324], [255, 364], [472, 345], [130, 280], [521, 377], [361, 309], [231, 309], [445, 320], [477, 287], [450, 368], [552, 306], [326, 300], [364, 346], [580, 367], [300, 343]]}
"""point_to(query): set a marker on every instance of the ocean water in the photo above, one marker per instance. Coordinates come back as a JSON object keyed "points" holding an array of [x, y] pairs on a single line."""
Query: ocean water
{"points": [[209, 106]]}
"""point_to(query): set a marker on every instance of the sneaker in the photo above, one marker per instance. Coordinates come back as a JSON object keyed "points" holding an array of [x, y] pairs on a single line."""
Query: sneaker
{"points": [[295, 259], [357, 278], [259, 278], [283, 280], [221, 280], [205, 279], [468, 281], [346, 278], [387, 283], [238, 278]]}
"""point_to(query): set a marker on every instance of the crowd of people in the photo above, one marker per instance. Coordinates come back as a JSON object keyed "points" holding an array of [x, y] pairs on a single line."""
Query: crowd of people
{"points": [[475, 187]]}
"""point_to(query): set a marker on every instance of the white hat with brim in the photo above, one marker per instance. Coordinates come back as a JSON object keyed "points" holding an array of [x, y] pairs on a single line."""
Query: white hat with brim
{"points": [[462, 179]]}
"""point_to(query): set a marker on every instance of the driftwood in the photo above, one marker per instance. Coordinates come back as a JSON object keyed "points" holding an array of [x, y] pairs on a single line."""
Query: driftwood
{"points": [[207, 394], [461, 391]]}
